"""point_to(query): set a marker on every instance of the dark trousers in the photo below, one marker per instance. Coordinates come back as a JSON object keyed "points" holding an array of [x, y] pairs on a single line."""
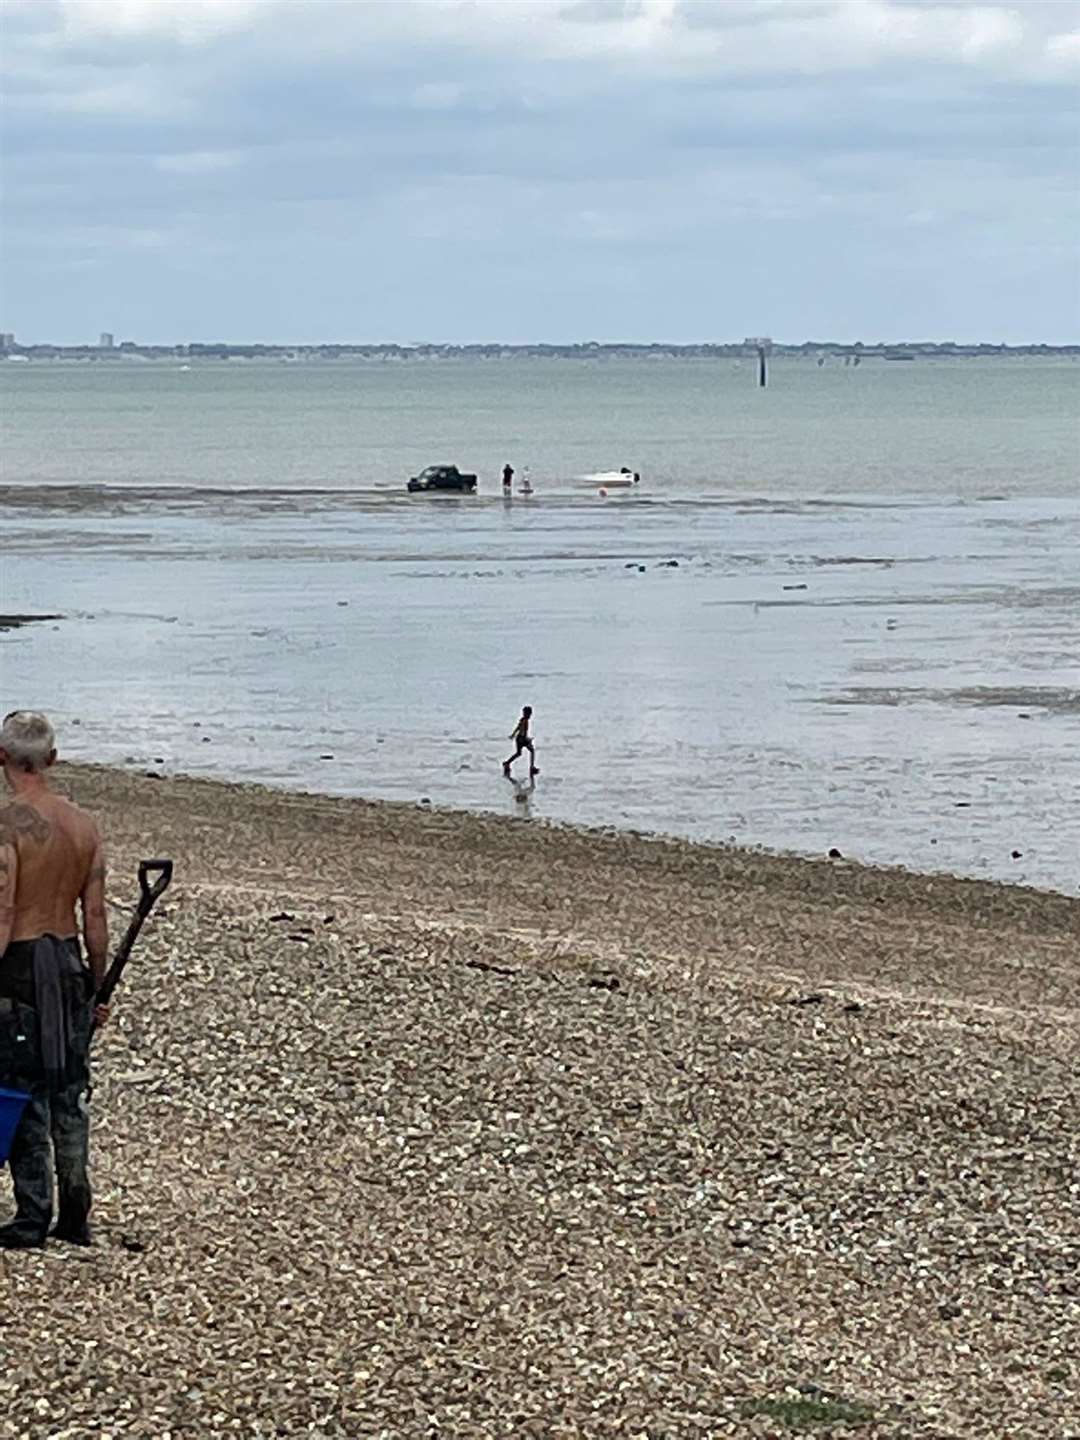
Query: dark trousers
{"points": [[54, 1129], [64, 1119]]}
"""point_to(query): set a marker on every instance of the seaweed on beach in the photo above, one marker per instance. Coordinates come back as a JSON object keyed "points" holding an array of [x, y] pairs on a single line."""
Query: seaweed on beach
{"points": [[15, 622]]}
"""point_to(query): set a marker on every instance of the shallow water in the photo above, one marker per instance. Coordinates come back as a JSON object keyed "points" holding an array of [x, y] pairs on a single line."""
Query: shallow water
{"points": [[945, 428], [890, 672]]}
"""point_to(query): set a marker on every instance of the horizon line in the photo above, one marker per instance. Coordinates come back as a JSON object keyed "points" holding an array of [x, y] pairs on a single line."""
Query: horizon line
{"points": [[747, 343]]}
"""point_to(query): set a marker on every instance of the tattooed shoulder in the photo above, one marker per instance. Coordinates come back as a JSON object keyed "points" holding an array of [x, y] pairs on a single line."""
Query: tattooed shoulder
{"points": [[19, 820]]}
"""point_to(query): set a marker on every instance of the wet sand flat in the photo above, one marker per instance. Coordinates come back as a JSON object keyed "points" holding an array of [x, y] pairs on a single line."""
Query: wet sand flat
{"points": [[418, 1122], [896, 677]]}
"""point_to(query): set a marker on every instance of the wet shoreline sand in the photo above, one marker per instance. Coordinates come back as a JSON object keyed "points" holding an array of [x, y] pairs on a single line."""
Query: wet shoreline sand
{"points": [[414, 1116], [891, 676]]}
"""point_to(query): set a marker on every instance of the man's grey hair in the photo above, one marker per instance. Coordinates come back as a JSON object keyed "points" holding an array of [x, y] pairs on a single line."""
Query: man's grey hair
{"points": [[28, 739]]}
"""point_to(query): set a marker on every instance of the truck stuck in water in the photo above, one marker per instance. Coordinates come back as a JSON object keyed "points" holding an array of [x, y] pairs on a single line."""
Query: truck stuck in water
{"points": [[443, 477]]}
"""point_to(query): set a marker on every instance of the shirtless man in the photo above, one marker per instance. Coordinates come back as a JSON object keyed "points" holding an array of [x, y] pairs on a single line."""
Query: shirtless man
{"points": [[51, 857]]}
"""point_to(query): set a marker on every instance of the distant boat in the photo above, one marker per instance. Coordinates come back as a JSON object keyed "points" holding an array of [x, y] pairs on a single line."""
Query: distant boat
{"points": [[618, 479], [899, 355]]}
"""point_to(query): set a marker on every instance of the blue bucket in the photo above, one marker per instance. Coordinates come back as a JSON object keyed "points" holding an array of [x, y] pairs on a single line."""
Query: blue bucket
{"points": [[12, 1103]]}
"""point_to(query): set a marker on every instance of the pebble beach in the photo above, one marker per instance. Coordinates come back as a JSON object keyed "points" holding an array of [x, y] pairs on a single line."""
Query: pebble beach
{"points": [[413, 1122]]}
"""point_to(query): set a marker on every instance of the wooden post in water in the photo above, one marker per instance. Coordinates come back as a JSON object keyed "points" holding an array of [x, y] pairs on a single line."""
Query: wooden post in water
{"points": [[763, 345]]}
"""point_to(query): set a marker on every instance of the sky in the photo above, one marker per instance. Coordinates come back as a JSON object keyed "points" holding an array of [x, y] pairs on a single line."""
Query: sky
{"points": [[540, 170]]}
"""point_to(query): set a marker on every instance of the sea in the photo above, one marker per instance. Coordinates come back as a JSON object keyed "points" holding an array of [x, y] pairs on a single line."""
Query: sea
{"points": [[841, 613]]}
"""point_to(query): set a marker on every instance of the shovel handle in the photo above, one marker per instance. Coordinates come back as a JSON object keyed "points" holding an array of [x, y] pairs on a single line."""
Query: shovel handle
{"points": [[149, 893]]}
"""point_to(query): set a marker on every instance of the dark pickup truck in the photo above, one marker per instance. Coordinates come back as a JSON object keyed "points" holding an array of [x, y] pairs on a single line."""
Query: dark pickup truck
{"points": [[443, 477]]}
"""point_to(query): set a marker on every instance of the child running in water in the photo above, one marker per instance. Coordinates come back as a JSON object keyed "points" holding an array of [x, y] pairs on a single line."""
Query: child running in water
{"points": [[520, 737]]}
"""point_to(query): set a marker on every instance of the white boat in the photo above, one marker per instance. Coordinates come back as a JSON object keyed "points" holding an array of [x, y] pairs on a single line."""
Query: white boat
{"points": [[623, 479]]}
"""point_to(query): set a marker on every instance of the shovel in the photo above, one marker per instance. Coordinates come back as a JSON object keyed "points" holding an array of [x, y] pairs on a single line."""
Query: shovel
{"points": [[149, 894], [13, 1102]]}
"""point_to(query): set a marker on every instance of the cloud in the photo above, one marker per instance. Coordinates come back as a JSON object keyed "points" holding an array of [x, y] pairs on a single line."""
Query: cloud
{"points": [[438, 95], [199, 162], [734, 37], [1064, 49], [491, 162], [92, 242], [188, 22]]}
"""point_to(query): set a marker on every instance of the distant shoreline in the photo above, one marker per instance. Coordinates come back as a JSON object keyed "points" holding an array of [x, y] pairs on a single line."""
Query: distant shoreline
{"points": [[733, 350]]}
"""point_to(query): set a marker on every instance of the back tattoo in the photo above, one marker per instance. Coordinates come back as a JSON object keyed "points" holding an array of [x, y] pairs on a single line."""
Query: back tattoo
{"points": [[18, 820]]}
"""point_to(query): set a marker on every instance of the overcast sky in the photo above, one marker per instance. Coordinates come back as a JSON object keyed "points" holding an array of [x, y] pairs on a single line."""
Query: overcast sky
{"points": [[516, 170]]}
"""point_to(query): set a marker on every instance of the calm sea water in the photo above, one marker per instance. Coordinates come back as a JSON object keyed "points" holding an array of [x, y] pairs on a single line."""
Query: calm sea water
{"points": [[942, 428], [870, 639]]}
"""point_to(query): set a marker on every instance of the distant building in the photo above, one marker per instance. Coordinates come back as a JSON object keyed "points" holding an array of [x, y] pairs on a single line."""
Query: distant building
{"points": [[106, 341]]}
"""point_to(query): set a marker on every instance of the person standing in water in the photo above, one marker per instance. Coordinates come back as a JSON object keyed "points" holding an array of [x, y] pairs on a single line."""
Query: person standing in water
{"points": [[521, 738], [508, 478]]}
